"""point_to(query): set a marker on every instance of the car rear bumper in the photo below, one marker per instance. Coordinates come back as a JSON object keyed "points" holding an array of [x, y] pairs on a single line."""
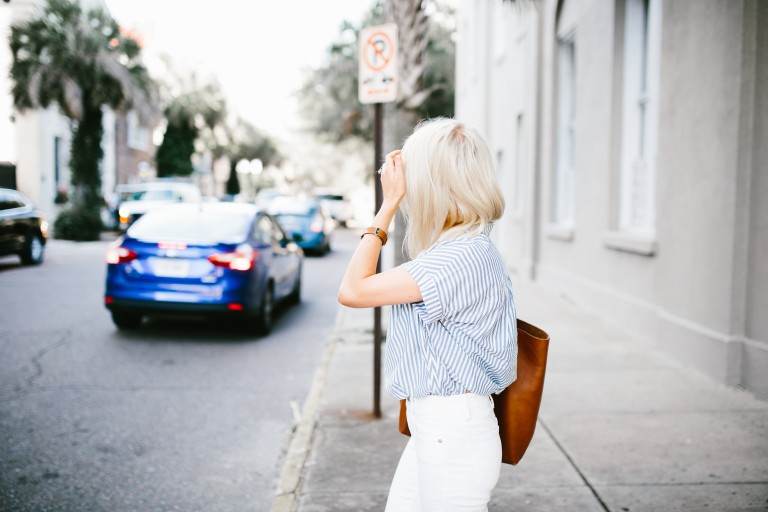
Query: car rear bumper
{"points": [[313, 241], [174, 308]]}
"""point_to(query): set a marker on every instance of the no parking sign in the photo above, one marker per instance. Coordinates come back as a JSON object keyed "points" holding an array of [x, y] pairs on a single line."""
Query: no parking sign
{"points": [[377, 77]]}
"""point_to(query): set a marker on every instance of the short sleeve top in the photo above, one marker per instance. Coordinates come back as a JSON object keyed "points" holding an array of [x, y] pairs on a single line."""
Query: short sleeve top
{"points": [[462, 336]]}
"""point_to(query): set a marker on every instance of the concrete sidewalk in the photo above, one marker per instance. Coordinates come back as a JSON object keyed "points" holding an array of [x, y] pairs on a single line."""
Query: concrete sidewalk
{"points": [[622, 428]]}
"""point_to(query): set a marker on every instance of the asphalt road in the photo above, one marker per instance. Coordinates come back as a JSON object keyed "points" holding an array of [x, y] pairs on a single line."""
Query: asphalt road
{"points": [[181, 415]]}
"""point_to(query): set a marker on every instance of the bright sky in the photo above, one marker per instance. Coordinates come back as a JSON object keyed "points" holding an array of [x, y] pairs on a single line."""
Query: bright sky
{"points": [[256, 48]]}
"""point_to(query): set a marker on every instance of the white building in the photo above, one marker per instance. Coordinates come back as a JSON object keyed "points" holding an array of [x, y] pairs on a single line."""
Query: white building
{"points": [[632, 143]]}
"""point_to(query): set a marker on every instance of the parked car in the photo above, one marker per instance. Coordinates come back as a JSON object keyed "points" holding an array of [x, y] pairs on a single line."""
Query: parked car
{"points": [[202, 259], [23, 229], [306, 221], [138, 199], [336, 204], [265, 197]]}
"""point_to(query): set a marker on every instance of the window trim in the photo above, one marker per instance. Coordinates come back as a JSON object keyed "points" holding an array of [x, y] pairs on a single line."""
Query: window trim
{"points": [[638, 90], [632, 242], [566, 220]]}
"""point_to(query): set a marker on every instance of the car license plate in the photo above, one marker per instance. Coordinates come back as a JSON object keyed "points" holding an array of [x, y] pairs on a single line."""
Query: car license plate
{"points": [[169, 267]]}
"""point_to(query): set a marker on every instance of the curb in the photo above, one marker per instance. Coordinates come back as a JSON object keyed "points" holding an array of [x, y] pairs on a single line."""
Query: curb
{"points": [[289, 483]]}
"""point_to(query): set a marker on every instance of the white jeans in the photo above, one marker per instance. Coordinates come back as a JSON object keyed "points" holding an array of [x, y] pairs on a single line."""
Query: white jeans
{"points": [[453, 459]]}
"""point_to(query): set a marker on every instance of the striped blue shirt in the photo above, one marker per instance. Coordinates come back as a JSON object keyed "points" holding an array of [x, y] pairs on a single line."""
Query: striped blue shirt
{"points": [[463, 335]]}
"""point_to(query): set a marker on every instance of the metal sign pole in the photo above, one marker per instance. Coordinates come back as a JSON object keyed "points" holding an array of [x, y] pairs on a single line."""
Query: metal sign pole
{"points": [[377, 84], [378, 135]]}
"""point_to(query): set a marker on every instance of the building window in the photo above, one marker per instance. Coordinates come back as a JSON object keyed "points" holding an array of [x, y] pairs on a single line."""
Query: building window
{"points": [[138, 135], [563, 190], [639, 117], [57, 177]]}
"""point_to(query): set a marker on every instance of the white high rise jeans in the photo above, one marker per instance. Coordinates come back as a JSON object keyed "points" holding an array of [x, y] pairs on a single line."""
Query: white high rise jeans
{"points": [[453, 459]]}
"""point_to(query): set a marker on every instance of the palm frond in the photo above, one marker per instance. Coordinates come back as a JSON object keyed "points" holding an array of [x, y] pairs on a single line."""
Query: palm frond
{"points": [[73, 98], [67, 56]]}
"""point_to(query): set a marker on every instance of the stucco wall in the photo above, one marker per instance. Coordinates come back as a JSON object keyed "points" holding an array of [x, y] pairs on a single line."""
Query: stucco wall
{"points": [[7, 130], [36, 133], [755, 358], [703, 293], [698, 157]]}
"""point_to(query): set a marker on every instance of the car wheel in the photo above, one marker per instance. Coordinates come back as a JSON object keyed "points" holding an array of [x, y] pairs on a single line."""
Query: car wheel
{"points": [[32, 253], [295, 296], [126, 321], [266, 311]]}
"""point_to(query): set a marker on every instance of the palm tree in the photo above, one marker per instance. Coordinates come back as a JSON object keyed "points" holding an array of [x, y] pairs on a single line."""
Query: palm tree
{"points": [[81, 62], [412, 23], [193, 111]]}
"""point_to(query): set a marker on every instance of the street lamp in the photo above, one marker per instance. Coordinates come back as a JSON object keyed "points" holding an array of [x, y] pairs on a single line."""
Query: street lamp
{"points": [[243, 170], [255, 168], [249, 171]]}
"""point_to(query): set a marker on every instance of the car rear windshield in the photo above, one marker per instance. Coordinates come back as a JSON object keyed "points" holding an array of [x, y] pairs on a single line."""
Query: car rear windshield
{"points": [[280, 208], [151, 195], [192, 226]]}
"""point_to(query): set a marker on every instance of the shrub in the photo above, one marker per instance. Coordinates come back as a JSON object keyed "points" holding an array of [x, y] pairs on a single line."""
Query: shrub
{"points": [[78, 224]]}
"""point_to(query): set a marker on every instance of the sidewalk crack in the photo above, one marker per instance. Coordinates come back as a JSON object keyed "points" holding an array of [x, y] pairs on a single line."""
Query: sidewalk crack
{"points": [[574, 466]]}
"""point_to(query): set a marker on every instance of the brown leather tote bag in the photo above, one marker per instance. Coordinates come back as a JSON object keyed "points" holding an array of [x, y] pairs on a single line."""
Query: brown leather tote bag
{"points": [[517, 407]]}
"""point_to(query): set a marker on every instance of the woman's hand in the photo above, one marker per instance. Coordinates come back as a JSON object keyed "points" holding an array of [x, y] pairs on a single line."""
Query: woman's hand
{"points": [[393, 180], [362, 287]]}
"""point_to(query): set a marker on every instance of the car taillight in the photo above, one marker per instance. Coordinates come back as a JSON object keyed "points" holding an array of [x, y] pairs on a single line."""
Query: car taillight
{"points": [[243, 258], [120, 255], [317, 224]]}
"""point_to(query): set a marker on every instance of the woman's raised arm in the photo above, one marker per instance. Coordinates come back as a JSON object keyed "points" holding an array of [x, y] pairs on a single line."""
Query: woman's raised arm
{"points": [[361, 287]]}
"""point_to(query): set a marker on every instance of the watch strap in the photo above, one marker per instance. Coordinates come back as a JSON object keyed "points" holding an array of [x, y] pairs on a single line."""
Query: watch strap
{"points": [[380, 233]]}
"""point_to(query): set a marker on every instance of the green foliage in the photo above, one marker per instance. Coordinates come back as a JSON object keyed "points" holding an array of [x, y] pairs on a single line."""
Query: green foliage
{"points": [[174, 156], [329, 94], [85, 154], [233, 184], [198, 104], [81, 62], [194, 110], [76, 60], [78, 223], [197, 121], [247, 143], [440, 60]]}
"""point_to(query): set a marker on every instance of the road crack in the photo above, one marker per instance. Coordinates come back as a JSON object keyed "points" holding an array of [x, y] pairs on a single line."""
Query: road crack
{"points": [[36, 359], [25, 386]]}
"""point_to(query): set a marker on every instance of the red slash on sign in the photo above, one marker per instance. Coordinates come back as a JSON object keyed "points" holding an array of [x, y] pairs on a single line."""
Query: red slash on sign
{"points": [[379, 51]]}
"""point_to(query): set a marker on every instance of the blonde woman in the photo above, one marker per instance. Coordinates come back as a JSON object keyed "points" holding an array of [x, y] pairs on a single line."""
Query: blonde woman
{"points": [[452, 339]]}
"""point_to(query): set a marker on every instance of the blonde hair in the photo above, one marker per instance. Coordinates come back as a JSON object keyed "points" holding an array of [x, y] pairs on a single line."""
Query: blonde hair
{"points": [[451, 187]]}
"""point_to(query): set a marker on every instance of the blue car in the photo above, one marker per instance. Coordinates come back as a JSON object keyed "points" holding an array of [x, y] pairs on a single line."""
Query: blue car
{"points": [[306, 221], [202, 259]]}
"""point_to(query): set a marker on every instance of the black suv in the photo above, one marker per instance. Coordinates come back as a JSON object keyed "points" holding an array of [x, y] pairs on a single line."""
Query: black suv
{"points": [[23, 230]]}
